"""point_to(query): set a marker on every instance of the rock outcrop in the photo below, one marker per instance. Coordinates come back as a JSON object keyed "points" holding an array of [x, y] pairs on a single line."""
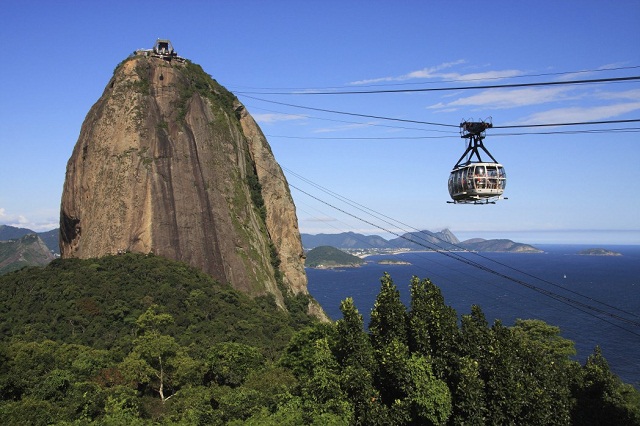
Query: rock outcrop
{"points": [[171, 163]]}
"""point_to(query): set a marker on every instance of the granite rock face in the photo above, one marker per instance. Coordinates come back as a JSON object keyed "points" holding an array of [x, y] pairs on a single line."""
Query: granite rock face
{"points": [[171, 163]]}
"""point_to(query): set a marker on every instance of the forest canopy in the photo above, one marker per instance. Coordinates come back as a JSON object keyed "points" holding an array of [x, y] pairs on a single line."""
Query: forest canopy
{"points": [[139, 340]]}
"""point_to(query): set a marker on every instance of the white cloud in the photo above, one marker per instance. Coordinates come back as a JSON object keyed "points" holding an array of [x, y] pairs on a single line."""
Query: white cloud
{"points": [[435, 73], [276, 117], [578, 75], [343, 128], [632, 95], [21, 221], [430, 72], [481, 76], [506, 98]]}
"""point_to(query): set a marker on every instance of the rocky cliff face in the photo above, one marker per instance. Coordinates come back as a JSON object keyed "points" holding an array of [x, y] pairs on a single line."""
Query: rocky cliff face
{"points": [[169, 162]]}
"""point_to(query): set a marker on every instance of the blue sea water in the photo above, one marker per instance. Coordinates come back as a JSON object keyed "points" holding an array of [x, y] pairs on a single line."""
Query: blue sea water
{"points": [[542, 286]]}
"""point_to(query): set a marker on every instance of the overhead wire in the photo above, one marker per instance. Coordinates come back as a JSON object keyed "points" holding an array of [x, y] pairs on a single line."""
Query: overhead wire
{"points": [[432, 274], [393, 222], [431, 123], [567, 132], [353, 113], [369, 124], [583, 307], [569, 301], [451, 80], [456, 133], [456, 88]]}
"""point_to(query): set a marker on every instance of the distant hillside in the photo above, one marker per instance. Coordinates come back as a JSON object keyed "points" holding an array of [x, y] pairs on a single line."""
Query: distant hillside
{"points": [[331, 257], [28, 250], [11, 232], [345, 240], [50, 238], [598, 252], [480, 244], [419, 240], [425, 240]]}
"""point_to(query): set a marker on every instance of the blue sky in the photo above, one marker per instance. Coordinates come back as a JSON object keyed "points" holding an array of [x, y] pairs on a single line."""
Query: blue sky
{"points": [[562, 188]]}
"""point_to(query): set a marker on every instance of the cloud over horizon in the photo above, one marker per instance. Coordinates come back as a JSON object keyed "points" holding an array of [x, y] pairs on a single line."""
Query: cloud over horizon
{"points": [[435, 73]]}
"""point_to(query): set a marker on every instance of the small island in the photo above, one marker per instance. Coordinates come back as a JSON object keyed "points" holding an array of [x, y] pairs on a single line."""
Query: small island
{"points": [[327, 257], [598, 252], [393, 262]]}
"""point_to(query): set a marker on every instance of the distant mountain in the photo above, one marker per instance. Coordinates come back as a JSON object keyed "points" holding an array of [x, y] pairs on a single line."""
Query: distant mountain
{"points": [[50, 238], [331, 257], [427, 240], [11, 232], [480, 244], [28, 250], [345, 240], [419, 240]]}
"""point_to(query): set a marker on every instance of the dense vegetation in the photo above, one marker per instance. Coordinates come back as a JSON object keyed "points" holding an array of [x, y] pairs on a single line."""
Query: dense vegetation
{"points": [[140, 340], [328, 256]]}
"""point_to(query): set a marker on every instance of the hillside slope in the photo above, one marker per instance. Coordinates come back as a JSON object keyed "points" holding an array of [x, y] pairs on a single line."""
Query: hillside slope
{"points": [[96, 302], [28, 250], [331, 257]]}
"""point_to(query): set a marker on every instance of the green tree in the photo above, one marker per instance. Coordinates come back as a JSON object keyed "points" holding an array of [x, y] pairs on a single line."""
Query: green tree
{"points": [[230, 363], [525, 381], [388, 334], [388, 316], [359, 366], [321, 391], [433, 326], [468, 382], [601, 396], [546, 337], [467, 391], [274, 384], [545, 368], [122, 407], [29, 411], [476, 337], [156, 359], [428, 398], [299, 353], [193, 405]]}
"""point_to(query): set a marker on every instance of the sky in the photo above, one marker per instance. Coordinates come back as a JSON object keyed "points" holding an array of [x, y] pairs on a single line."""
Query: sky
{"points": [[348, 155]]}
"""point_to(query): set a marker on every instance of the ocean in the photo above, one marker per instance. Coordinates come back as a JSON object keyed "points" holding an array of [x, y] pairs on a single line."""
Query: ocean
{"points": [[595, 300]]}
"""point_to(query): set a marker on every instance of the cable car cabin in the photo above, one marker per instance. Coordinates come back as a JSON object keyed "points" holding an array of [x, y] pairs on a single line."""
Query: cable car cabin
{"points": [[473, 181], [477, 183]]}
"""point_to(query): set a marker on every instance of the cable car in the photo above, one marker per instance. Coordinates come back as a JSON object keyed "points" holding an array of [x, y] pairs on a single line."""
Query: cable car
{"points": [[472, 180]]}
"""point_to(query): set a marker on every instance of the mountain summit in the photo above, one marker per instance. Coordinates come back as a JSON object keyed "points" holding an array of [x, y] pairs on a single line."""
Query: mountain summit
{"points": [[169, 162]]}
